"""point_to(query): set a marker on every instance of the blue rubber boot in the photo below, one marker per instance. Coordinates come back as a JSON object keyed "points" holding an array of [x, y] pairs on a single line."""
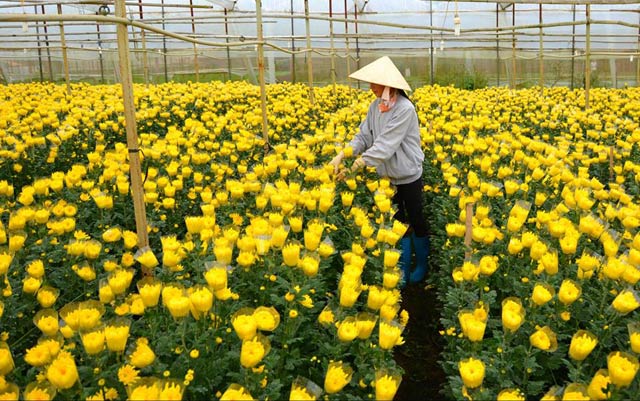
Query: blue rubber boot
{"points": [[405, 259], [421, 245]]}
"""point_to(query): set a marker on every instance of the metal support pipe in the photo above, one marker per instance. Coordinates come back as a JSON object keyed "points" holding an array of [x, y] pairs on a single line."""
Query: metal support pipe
{"points": [[46, 42], [308, 55], [35, 9], [137, 191], [263, 90], [587, 59], [195, 47]]}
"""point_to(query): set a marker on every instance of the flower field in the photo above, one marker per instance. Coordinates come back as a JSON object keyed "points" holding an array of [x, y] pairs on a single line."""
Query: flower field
{"points": [[273, 281]]}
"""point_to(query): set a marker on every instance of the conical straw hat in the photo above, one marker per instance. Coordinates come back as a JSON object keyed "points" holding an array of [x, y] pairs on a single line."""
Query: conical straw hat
{"points": [[382, 72]]}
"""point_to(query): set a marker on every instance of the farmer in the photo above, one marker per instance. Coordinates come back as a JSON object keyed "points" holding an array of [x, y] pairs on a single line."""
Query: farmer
{"points": [[389, 140]]}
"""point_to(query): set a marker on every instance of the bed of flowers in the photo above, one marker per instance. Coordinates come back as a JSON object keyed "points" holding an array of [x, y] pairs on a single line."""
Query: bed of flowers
{"points": [[272, 281], [540, 301]]}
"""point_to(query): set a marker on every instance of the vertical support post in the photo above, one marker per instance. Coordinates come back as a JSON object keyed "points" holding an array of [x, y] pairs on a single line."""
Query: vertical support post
{"points": [[587, 59], [346, 40], [355, 24], [513, 46], [137, 191], [468, 232], [46, 42], [573, 46], [195, 47], [333, 55], [293, 48], [638, 57], [226, 33], [100, 54], [541, 56], [431, 41], [164, 44], [145, 58], [35, 9], [309, 56], [65, 60], [497, 41], [263, 90]]}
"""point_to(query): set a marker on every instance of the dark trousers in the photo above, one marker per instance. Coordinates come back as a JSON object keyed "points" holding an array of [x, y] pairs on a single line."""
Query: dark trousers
{"points": [[408, 200]]}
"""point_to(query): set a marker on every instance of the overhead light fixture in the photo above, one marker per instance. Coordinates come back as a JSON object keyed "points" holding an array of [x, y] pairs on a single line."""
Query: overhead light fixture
{"points": [[25, 26], [227, 4], [441, 45], [631, 58], [456, 25]]}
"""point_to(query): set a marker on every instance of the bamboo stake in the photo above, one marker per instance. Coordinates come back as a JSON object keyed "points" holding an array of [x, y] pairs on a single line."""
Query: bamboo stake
{"points": [[587, 60], [263, 90], [573, 47], [226, 31], [145, 56], [333, 58], [346, 40], [468, 232], [497, 40], [541, 57], [35, 8], [137, 192], [195, 46], [309, 58], [513, 48], [65, 60], [46, 41]]}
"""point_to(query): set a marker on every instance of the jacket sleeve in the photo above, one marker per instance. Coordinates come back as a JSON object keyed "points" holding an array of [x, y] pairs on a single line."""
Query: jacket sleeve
{"points": [[391, 137], [364, 138]]}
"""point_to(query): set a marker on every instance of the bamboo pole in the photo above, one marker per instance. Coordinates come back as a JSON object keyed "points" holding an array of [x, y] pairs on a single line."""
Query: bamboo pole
{"points": [[333, 58], [263, 90], [497, 40], [468, 232], [309, 58], [541, 56], [35, 8], [65, 60], [346, 41], [137, 191], [513, 47], [195, 46], [46, 41], [431, 61], [638, 59], [587, 60], [145, 56], [164, 45], [226, 31], [293, 47], [100, 57], [355, 25], [573, 47]]}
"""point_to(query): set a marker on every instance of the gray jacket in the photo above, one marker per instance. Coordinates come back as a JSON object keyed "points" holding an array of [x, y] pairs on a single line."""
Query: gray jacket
{"points": [[390, 142]]}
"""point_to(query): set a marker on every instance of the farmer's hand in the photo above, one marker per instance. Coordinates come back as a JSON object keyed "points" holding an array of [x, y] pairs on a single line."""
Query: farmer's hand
{"points": [[357, 164], [335, 162]]}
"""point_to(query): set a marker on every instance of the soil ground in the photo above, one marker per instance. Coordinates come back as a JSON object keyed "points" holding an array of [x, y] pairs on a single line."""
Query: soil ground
{"points": [[419, 355]]}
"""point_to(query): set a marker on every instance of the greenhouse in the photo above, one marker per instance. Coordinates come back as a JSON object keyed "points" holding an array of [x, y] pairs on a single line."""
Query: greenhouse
{"points": [[327, 199]]}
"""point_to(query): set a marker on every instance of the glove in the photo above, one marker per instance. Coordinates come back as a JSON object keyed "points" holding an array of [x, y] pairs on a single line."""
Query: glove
{"points": [[335, 162]]}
